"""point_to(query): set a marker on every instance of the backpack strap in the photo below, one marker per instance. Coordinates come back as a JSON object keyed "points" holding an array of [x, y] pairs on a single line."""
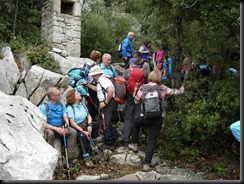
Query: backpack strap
{"points": [[47, 108]]}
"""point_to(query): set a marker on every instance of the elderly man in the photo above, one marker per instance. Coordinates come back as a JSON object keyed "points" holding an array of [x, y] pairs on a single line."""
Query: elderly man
{"points": [[106, 66], [127, 48], [105, 93], [57, 121]]}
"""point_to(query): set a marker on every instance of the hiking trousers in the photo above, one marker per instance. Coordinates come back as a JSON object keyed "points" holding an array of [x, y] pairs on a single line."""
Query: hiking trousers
{"points": [[71, 138], [154, 126], [108, 111], [131, 112], [82, 138]]}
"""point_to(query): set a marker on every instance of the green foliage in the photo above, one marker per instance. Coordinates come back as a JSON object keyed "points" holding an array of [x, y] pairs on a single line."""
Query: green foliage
{"points": [[40, 55], [110, 29], [219, 168], [197, 123]]}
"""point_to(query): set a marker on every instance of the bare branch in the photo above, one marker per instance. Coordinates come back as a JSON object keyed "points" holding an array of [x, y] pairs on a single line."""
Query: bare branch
{"points": [[187, 6]]}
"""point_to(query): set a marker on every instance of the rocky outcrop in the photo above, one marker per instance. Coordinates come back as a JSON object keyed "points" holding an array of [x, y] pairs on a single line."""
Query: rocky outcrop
{"points": [[33, 81], [25, 155]]}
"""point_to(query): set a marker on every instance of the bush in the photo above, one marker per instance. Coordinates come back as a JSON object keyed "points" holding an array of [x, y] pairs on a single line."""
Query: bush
{"points": [[197, 123]]}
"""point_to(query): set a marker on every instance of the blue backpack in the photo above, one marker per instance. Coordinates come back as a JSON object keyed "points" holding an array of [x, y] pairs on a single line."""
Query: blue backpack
{"points": [[79, 76]]}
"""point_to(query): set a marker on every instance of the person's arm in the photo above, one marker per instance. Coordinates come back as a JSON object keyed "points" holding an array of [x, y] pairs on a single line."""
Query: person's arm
{"points": [[171, 91], [110, 91], [141, 50], [49, 126], [89, 124], [56, 129], [137, 98], [93, 87], [124, 46]]}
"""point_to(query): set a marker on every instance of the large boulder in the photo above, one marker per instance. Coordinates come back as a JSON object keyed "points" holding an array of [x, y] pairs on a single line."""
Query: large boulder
{"points": [[9, 72], [25, 155]]}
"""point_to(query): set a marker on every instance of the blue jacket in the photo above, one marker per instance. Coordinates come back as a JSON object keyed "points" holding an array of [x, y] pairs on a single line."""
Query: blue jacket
{"points": [[126, 47]]}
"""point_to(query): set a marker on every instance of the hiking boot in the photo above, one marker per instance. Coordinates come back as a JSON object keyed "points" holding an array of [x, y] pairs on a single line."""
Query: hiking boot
{"points": [[146, 168], [133, 146], [88, 162]]}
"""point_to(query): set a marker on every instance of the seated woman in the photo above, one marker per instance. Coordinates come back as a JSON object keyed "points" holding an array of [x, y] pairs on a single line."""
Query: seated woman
{"points": [[81, 120]]}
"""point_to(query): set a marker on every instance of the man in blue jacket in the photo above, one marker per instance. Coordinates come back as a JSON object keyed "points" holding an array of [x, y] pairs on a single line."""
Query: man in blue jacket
{"points": [[127, 48]]}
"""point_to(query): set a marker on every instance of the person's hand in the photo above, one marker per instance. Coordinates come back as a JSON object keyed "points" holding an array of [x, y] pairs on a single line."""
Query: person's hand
{"points": [[87, 134], [182, 89], [102, 105], [89, 129], [61, 131], [84, 83], [126, 58]]}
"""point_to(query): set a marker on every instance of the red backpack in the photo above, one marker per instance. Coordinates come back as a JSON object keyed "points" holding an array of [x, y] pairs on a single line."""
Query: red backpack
{"points": [[135, 80]]}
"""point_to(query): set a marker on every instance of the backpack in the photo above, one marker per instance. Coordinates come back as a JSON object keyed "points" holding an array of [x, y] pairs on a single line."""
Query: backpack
{"points": [[135, 80], [120, 90], [110, 135], [159, 56], [79, 76], [119, 52], [151, 102]]}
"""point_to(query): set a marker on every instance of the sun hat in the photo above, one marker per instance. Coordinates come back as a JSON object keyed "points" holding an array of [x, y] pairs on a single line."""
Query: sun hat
{"points": [[95, 70]]}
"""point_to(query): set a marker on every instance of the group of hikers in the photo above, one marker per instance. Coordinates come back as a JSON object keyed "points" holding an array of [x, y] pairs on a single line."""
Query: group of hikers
{"points": [[145, 91]]}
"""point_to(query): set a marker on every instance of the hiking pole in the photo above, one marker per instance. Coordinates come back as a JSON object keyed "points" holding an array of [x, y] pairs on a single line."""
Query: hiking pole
{"points": [[66, 155], [105, 129], [93, 149]]}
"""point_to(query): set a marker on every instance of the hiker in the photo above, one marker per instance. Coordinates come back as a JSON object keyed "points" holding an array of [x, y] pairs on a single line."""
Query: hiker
{"points": [[96, 56], [186, 69], [106, 66], [105, 93], [203, 70], [145, 52], [127, 48], [92, 101], [131, 110], [81, 121], [235, 129], [168, 70], [55, 111], [144, 65], [159, 58], [154, 125]]}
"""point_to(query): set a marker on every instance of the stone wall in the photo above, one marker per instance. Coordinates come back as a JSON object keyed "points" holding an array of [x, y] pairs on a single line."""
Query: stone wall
{"points": [[61, 25]]}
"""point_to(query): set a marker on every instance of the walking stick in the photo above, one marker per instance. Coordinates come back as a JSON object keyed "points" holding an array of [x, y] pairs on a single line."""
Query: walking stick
{"points": [[93, 149], [66, 155], [105, 129]]}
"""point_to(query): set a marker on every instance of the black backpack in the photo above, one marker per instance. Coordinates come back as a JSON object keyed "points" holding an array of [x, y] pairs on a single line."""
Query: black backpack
{"points": [[110, 135]]}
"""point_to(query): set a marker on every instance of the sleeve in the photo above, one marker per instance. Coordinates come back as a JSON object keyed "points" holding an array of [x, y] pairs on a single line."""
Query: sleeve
{"points": [[114, 72], [170, 91], [43, 109], [64, 108], [70, 112], [137, 98], [124, 46]]}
